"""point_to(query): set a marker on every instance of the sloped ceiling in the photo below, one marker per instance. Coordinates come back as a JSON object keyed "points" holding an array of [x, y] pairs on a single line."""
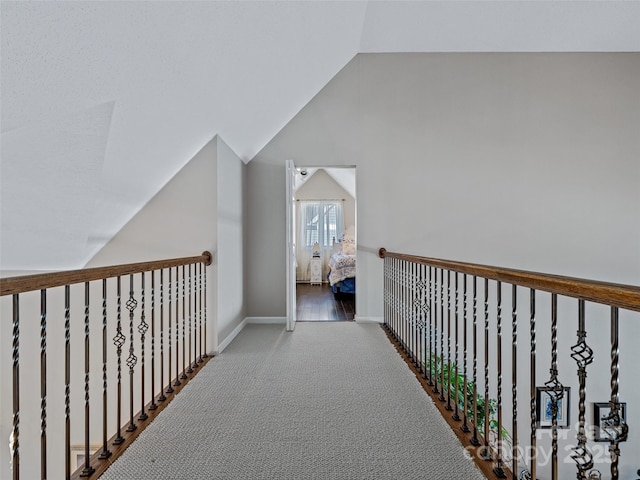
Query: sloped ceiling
{"points": [[103, 102]]}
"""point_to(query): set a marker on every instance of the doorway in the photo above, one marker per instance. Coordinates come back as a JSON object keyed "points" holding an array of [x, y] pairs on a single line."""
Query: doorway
{"points": [[323, 226]]}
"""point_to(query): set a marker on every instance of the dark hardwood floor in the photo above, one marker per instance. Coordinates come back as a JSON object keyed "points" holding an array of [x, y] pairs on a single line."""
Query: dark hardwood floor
{"points": [[317, 303]]}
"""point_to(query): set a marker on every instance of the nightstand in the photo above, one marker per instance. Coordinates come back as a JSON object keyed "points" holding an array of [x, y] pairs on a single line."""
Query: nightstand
{"points": [[315, 265]]}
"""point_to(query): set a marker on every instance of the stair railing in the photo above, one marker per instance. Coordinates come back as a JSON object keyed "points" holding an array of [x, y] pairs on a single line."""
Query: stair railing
{"points": [[430, 303], [67, 396]]}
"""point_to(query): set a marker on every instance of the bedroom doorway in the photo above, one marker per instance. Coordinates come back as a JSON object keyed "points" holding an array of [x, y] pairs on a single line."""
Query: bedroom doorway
{"points": [[323, 243]]}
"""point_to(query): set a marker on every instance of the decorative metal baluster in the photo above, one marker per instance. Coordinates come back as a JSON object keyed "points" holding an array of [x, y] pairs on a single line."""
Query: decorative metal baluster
{"points": [[486, 451], [162, 397], [532, 386], [189, 368], [153, 405], [613, 425], [583, 355], [456, 414], [555, 389], [474, 439], [514, 379], [465, 383], [184, 326], [118, 341], [15, 357], [169, 337], [435, 360], [442, 386], [43, 384], [177, 382], [448, 406], [106, 453], [498, 470], [142, 330], [67, 381], [205, 355], [194, 335], [88, 469], [431, 328], [132, 303], [200, 310]]}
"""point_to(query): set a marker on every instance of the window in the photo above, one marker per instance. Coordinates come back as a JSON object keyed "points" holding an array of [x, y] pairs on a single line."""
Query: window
{"points": [[322, 222]]}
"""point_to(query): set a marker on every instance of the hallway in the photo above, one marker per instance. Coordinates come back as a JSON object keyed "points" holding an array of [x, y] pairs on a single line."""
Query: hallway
{"points": [[328, 401]]}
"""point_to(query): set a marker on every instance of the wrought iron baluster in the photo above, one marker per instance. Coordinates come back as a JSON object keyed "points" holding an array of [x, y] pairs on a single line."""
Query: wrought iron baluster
{"points": [[200, 310], [177, 325], [153, 405], [162, 397], [583, 355], [555, 389], [205, 355], [183, 376], [514, 379], [435, 359], [442, 386], [486, 451], [189, 368], [118, 341], [142, 330], [132, 303], [169, 337], [498, 470], [456, 414], [465, 383], [67, 381], [431, 328], [474, 439], [532, 378], [448, 406], [105, 453], [15, 357], [88, 469], [614, 425], [43, 384]]}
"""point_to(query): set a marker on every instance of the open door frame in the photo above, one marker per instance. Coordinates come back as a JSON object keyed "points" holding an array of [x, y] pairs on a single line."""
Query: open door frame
{"points": [[290, 171]]}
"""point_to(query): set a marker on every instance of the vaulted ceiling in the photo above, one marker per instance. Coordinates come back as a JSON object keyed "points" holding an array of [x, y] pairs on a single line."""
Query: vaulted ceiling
{"points": [[103, 102]]}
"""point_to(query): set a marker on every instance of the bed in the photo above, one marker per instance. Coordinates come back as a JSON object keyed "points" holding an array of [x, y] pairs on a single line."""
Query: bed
{"points": [[342, 267]]}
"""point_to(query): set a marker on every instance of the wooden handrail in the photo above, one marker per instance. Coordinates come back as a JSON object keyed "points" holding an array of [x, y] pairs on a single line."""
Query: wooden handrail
{"points": [[612, 294], [28, 283]]}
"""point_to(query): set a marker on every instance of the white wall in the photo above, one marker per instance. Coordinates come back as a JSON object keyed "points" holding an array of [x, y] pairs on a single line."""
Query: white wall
{"points": [[519, 160]]}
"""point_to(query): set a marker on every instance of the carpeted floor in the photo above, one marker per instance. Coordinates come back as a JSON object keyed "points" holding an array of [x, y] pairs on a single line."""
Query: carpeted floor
{"points": [[328, 401]]}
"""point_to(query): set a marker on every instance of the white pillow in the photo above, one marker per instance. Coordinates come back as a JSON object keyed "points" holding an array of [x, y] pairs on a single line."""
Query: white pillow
{"points": [[348, 245]]}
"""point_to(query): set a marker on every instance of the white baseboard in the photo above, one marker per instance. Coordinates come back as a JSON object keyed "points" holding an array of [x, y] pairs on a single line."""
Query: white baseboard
{"points": [[225, 343], [265, 320], [361, 319]]}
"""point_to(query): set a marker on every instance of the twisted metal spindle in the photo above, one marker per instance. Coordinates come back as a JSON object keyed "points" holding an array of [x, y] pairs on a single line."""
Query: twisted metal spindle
{"points": [[43, 384], [118, 341], [497, 469], [532, 385], [465, 383], [583, 355], [442, 387], [153, 405], [142, 330], [162, 397], [435, 359], [486, 450], [15, 357], [448, 406], [474, 439], [200, 311], [105, 453], [183, 376], [67, 381], [190, 367], [88, 469], [456, 414], [514, 379], [132, 303], [614, 425], [431, 328], [169, 337], [177, 382], [205, 355]]}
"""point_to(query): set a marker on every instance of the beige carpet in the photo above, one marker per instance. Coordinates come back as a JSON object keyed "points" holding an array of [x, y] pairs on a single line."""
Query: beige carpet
{"points": [[328, 401]]}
